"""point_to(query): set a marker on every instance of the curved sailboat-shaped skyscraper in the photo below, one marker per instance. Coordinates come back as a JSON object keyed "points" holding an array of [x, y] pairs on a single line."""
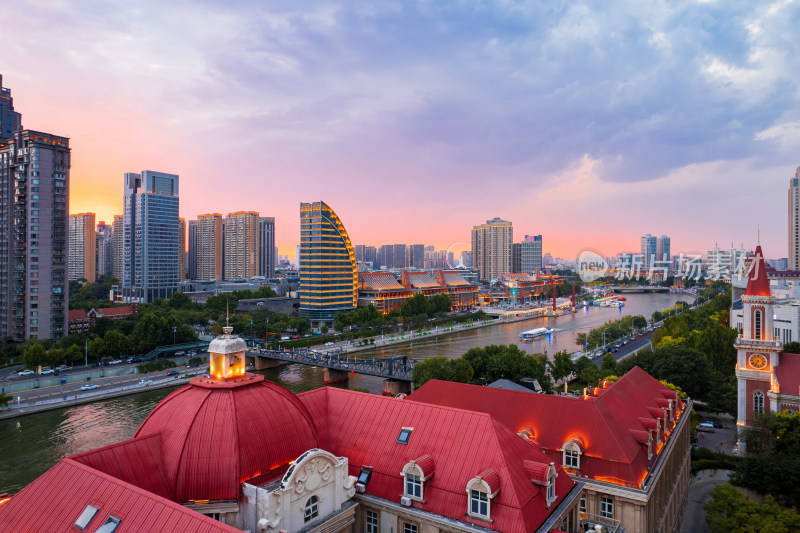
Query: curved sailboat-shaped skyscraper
{"points": [[328, 276]]}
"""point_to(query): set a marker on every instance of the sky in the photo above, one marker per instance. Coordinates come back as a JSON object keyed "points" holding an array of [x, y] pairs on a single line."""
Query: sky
{"points": [[589, 123]]}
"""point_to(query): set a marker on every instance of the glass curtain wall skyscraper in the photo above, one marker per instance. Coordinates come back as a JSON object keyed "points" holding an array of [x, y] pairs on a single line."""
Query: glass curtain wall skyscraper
{"points": [[328, 275], [150, 242], [266, 246]]}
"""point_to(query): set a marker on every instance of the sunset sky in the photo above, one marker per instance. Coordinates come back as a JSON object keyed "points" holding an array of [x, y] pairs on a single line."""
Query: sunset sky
{"points": [[590, 123]]}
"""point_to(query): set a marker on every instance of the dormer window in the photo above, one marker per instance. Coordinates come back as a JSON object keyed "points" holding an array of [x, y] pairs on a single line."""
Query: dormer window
{"points": [[415, 474], [480, 492], [551, 488], [572, 451]]}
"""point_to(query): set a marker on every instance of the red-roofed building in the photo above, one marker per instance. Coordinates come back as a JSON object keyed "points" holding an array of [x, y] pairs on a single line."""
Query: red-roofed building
{"points": [[627, 441], [82, 321], [250, 454], [767, 378]]}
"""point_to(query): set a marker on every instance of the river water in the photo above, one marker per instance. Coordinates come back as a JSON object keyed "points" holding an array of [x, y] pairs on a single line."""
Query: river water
{"points": [[31, 444]]}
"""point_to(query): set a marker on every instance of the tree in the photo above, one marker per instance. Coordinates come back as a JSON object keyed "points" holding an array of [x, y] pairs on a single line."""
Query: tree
{"points": [[729, 510], [685, 367], [609, 366], [562, 366], [791, 347], [442, 368], [34, 356], [5, 399]]}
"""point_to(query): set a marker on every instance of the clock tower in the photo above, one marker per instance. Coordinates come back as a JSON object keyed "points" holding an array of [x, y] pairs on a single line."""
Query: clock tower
{"points": [[758, 351]]}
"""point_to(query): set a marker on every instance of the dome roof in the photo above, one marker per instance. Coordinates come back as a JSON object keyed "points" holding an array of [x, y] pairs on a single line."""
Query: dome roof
{"points": [[214, 435], [227, 343]]}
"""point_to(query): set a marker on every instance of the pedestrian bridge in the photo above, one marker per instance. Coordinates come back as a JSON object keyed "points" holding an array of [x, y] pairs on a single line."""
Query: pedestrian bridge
{"points": [[636, 288]]}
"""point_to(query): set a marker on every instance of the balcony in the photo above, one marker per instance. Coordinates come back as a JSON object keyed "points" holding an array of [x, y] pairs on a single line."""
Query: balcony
{"points": [[589, 522]]}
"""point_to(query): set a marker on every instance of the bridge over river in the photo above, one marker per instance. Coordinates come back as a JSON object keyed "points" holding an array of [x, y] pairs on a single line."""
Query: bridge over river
{"points": [[638, 289], [396, 370]]}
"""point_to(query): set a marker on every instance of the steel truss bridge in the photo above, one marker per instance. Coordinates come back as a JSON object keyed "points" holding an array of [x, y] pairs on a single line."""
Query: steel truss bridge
{"points": [[398, 367]]}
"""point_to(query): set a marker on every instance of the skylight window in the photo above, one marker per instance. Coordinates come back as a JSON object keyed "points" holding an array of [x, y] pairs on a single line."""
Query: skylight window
{"points": [[86, 516], [365, 475], [110, 525], [405, 434]]}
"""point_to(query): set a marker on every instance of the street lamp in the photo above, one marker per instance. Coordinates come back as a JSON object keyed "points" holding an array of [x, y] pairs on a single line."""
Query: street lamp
{"points": [[251, 328], [174, 334], [604, 336]]}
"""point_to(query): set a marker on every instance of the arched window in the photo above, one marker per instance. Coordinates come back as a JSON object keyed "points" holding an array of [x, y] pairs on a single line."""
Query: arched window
{"points": [[415, 473], [312, 509], [757, 326], [480, 492], [758, 402], [551, 487], [572, 454]]}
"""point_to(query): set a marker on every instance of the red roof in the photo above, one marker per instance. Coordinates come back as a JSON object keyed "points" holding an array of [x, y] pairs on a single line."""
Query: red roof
{"points": [[788, 373], [55, 500], [115, 311], [77, 314], [214, 436], [757, 280], [462, 445], [610, 451]]}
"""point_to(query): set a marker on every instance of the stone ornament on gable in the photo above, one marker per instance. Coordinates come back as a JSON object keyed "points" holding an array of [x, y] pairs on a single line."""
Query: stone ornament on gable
{"points": [[313, 474]]}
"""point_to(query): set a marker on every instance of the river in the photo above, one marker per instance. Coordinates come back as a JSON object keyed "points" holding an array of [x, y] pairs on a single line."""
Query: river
{"points": [[31, 444]]}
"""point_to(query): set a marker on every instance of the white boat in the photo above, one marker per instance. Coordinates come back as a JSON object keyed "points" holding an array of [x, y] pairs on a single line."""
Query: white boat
{"points": [[611, 303], [534, 333]]}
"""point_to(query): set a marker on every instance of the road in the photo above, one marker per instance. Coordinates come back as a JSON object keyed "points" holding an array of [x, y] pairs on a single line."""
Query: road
{"points": [[628, 349], [694, 517]]}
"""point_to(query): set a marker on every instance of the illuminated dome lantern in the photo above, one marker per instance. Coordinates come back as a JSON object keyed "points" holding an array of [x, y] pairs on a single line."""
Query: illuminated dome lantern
{"points": [[227, 356]]}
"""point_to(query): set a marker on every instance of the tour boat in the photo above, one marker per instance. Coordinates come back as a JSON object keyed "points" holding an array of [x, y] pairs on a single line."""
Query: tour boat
{"points": [[611, 303], [534, 333]]}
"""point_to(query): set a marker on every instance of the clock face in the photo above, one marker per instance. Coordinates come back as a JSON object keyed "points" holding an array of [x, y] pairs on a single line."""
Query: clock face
{"points": [[758, 360]]}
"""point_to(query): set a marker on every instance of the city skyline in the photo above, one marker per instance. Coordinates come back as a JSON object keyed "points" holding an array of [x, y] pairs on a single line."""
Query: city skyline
{"points": [[608, 120]]}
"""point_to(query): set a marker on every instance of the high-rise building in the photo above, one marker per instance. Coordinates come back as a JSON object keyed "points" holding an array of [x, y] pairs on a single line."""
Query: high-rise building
{"points": [[241, 245], [181, 249], [82, 247], [648, 250], [266, 247], [118, 248], [386, 256], [191, 259], [359, 251], [794, 221], [151, 243], [527, 255], [208, 247], [491, 248], [34, 235], [663, 251], [328, 275], [416, 256], [10, 120], [399, 256], [104, 240], [370, 254]]}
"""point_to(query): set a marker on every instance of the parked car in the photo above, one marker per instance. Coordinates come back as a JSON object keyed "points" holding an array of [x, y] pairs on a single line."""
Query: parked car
{"points": [[89, 386], [705, 426], [47, 371], [180, 353], [145, 381], [26, 373], [717, 425], [172, 372], [62, 368], [116, 362]]}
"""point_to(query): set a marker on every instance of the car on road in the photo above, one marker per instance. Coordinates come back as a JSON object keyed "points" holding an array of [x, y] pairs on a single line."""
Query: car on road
{"points": [[145, 381], [26, 373], [328, 344], [172, 372], [62, 368], [179, 353], [116, 362], [46, 371], [705, 426], [716, 425], [89, 386]]}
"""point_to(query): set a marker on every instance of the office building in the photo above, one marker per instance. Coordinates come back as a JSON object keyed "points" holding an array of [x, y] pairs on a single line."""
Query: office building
{"points": [[328, 275], [104, 242], [191, 255], [399, 256], [370, 254], [266, 247], [182, 249], [359, 250], [208, 252], [241, 245], [491, 248], [118, 248], [663, 251], [416, 256], [151, 244], [10, 120], [794, 221], [648, 250], [34, 240], [82, 247], [527, 255]]}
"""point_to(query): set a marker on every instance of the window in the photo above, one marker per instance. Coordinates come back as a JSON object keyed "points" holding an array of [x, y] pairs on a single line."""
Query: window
{"points": [[758, 402], [312, 509], [405, 434], [551, 489], [606, 508], [410, 528], [582, 505], [757, 329], [413, 486], [371, 523], [571, 458], [479, 503], [86, 516], [111, 525]]}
